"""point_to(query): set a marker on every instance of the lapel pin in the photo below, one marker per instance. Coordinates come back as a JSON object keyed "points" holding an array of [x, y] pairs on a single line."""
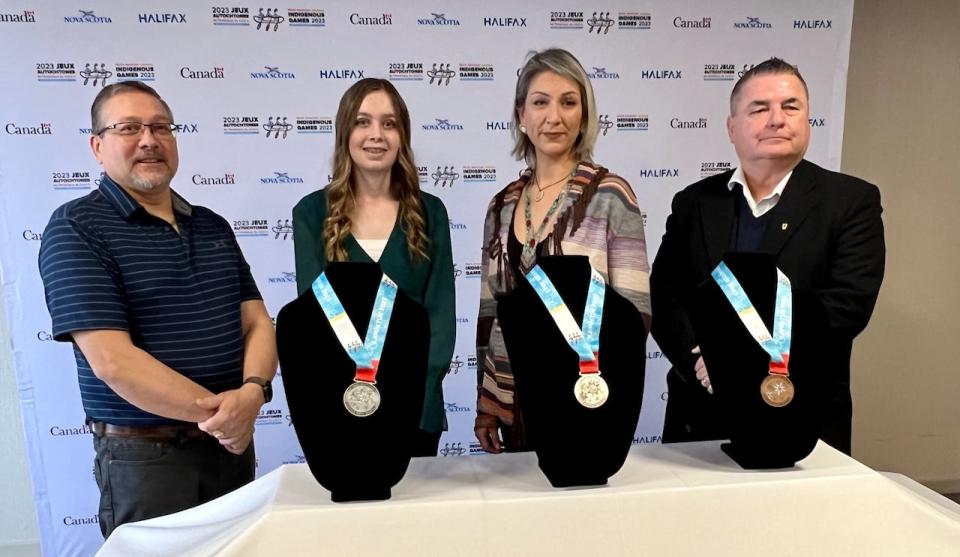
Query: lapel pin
{"points": [[783, 226]]}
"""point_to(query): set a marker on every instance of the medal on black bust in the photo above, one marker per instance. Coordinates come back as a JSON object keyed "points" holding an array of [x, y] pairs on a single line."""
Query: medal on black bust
{"points": [[361, 398], [776, 389], [590, 390]]}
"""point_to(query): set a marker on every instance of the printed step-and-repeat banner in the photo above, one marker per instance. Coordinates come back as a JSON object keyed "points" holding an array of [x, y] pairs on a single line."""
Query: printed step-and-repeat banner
{"points": [[255, 89]]}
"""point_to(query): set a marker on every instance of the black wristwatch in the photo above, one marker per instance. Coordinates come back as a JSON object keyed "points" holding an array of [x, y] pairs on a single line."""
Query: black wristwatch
{"points": [[264, 384]]}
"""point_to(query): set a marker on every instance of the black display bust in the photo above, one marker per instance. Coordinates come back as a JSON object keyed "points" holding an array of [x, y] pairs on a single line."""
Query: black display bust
{"points": [[575, 445], [761, 436], [355, 458]]}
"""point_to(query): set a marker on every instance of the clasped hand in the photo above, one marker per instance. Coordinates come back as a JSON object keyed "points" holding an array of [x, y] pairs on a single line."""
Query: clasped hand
{"points": [[235, 412]]}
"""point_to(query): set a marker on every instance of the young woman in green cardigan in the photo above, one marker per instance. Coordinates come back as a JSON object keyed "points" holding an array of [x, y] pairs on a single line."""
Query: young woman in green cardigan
{"points": [[374, 211]]}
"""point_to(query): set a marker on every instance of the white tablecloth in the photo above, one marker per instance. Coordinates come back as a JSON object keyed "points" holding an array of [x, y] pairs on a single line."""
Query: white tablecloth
{"points": [[677, 500]]}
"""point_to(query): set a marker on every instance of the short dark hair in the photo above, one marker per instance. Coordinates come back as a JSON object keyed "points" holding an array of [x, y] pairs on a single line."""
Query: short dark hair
{"points": [[115, 89], [772, 66]]}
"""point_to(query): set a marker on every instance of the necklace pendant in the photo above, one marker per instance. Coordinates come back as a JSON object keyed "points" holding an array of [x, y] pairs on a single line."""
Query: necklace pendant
{"points": [[527, 258], [539, 195]]}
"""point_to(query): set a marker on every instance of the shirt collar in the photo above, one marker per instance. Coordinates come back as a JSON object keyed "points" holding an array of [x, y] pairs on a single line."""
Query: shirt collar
{"points": [[128, 206], [739, 178]]}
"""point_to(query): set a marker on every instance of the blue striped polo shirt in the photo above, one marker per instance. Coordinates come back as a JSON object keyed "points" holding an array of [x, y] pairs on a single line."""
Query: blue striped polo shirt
{"points": [[108, 264]]}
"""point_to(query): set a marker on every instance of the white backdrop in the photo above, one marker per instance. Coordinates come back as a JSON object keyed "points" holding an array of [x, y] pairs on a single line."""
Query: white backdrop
{"points": [[256, 88]]}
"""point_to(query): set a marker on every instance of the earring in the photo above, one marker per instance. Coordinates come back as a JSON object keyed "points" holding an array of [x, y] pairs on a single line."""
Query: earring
{"points": [[523, 129]]}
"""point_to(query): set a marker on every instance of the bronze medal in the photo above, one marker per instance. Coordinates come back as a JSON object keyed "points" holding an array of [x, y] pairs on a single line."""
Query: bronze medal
{"points": [[777, 390]]}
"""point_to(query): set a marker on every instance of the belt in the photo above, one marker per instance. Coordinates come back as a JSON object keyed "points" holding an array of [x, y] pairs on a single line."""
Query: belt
{"points": [[160, 432]]}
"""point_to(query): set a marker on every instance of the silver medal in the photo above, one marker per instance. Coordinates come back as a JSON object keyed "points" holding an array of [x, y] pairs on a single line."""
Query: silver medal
{"points": [[361, 399]]}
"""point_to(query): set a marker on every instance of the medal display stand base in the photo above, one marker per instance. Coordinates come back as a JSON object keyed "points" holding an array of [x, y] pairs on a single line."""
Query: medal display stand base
{"points": [[575, 445], [358, 493], [756, 460], [357, 458], [761, 436]]}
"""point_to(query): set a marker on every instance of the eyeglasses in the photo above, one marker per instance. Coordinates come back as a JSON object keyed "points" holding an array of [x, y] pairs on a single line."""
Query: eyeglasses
{"points": [[134, 129]]}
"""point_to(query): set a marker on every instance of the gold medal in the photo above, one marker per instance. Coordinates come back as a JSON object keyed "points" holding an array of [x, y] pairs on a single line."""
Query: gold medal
{"points": [[777, 390], [361, 399], [591, 390]]}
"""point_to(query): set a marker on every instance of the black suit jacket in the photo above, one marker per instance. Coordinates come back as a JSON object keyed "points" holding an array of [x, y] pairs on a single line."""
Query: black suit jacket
{"points": [[825, 233]]}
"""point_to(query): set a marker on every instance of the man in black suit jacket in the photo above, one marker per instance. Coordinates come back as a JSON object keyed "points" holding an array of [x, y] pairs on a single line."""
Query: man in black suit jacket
{"points": [[823, 228]]}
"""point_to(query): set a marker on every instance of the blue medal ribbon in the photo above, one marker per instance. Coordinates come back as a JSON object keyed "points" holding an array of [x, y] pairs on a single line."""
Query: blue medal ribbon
{"points": [[365, 354], [585, 341], [776, 345]]}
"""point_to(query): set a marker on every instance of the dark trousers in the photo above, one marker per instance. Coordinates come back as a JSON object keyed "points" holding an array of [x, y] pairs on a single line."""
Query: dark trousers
{"points": [[692, 413], [145, 478]]}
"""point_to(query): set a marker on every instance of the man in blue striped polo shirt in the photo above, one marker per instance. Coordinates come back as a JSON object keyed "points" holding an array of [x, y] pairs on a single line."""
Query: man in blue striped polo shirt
{"points": [[175, 349]]}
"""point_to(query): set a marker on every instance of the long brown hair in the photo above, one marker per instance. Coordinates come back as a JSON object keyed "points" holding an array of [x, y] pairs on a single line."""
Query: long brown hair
{"points": [[404, 180]]}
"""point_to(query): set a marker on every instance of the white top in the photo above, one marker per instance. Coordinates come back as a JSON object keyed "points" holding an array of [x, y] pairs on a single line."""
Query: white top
{"points": [[374, 248], [765, 204]]}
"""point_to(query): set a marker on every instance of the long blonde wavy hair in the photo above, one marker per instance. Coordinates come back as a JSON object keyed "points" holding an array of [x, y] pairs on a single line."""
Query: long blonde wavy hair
{"points": [[404, 180]]}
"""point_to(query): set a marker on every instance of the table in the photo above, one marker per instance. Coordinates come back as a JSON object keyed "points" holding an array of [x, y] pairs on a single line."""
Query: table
{"points": [[677, 500]]}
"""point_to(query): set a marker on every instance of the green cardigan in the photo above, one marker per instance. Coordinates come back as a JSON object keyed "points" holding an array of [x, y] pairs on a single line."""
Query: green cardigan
{"points": [[429, 283]]}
